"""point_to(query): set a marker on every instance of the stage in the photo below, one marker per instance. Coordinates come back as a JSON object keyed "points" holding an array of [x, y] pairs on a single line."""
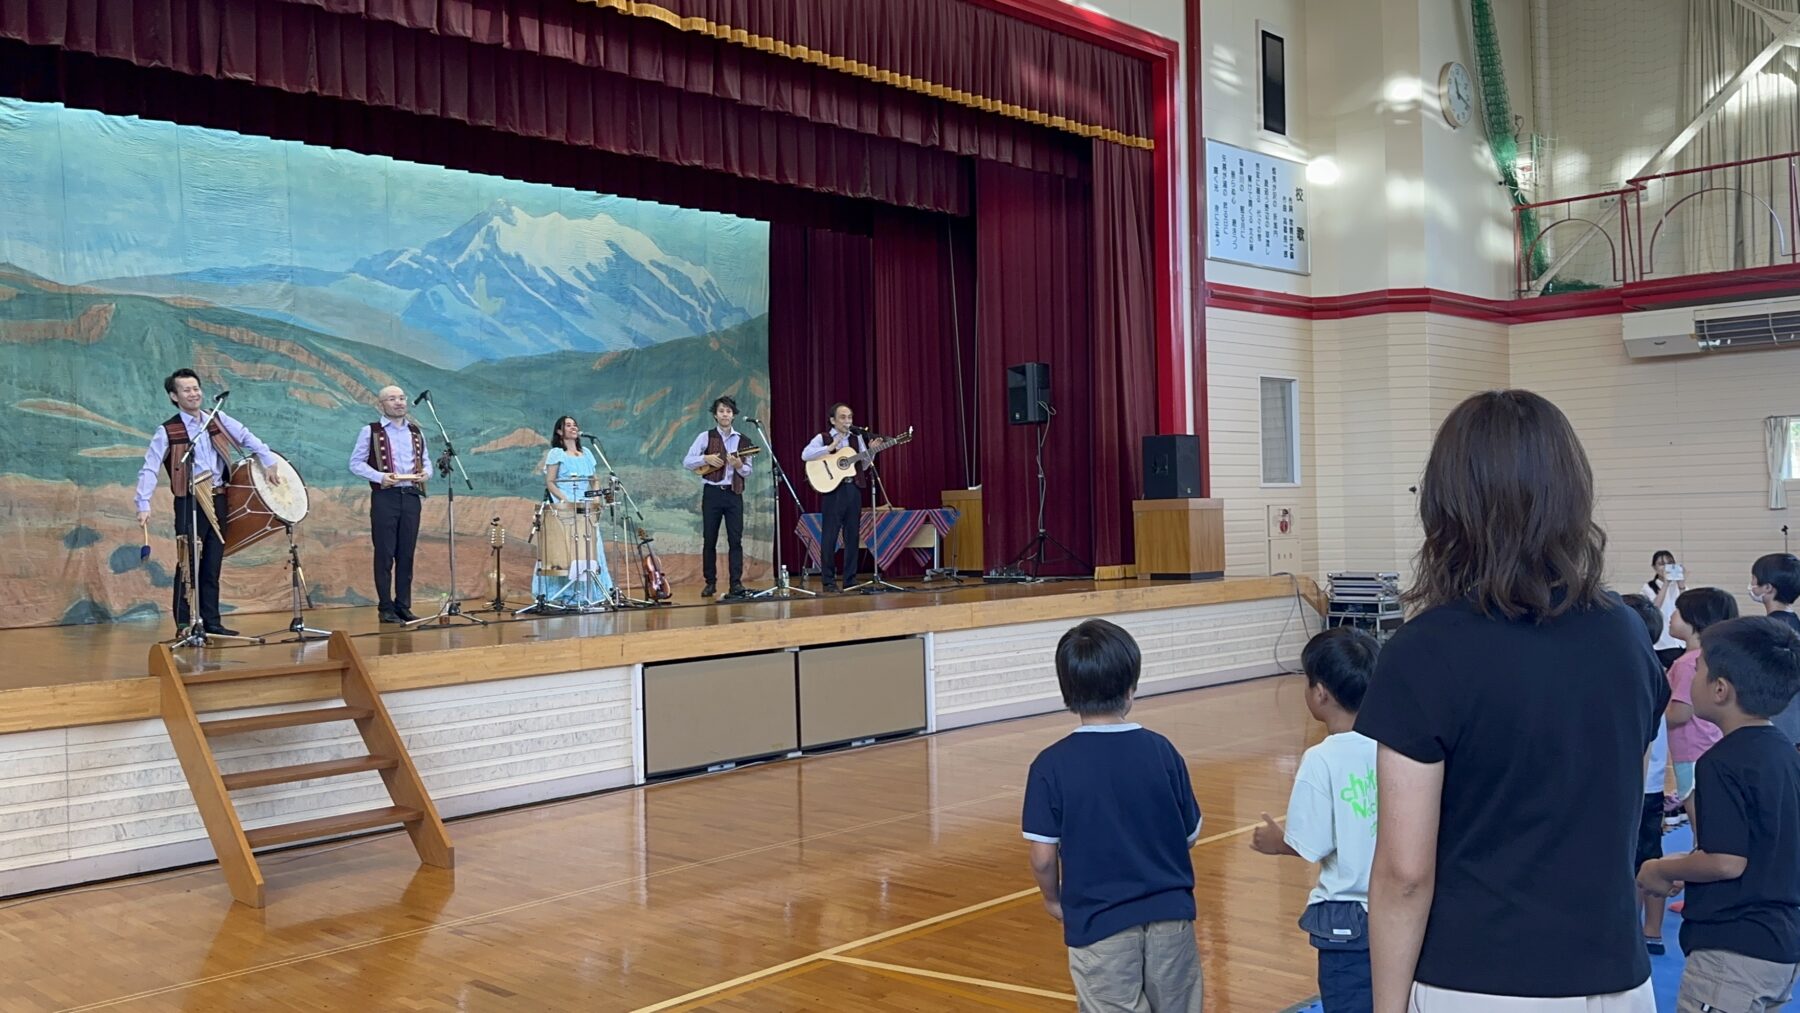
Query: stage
{"points": [[528, 709]]}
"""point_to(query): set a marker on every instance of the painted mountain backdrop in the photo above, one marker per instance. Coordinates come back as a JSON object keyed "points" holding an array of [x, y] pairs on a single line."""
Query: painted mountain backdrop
{"points": [[305, 279], [504, 283]]}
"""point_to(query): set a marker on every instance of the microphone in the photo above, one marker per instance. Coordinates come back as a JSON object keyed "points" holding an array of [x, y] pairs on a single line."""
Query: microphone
{"points": [[424, 395], [861, 430], [589, 436], [221, 396], [751, 419]]}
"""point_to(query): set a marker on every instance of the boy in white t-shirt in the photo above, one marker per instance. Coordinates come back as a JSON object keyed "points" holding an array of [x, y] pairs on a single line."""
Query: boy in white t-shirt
{"points": [[1331, 817]]}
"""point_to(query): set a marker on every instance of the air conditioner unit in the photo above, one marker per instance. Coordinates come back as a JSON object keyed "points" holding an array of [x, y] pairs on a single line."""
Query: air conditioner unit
{"points": [[1728, 327]]}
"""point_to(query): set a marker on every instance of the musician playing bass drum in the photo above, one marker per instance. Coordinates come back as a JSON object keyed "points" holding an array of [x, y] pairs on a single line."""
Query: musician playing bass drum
{"points": [[211, 471], [840, 510], [569, 473]]}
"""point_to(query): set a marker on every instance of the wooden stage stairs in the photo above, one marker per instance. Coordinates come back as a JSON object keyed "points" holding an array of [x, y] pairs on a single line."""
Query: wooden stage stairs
{"points": [[386, 754]]}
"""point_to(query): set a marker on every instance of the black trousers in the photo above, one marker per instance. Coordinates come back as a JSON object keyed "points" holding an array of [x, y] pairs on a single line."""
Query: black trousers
{"points": [[719, 503], [212, 554], [840, 510], [394, 528]]}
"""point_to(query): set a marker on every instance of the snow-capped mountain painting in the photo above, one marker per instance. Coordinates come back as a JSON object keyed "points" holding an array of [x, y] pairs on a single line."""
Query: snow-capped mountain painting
{"points": [[552, 283], [451, 267], [504, 283]]}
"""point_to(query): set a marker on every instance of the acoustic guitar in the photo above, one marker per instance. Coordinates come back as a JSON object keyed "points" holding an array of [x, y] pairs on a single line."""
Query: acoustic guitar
{"points": [[830, 471]]}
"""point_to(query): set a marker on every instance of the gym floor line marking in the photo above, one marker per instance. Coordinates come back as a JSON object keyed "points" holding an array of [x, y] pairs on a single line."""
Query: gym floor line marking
{"points": [[528, 905], [944, 976], [837, 951]]}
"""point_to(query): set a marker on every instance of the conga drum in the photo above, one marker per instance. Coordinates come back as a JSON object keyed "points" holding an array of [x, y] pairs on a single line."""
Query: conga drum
{"points": [[555, 539], [255, 508]]}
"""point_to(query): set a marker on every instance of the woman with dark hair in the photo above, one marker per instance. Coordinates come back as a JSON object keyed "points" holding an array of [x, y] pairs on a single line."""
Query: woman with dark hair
{"points": [[1667, 580], [1512, 714], [563, 534]]}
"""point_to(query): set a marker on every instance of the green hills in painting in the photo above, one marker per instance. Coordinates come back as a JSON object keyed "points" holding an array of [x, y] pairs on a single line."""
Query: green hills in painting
{"points": [[82, 391]]}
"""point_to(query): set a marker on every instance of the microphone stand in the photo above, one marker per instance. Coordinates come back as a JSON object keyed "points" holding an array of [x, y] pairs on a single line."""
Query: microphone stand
{"points": [[777, 479], [297, 582], [875, 584], [621, 594], [452, 607], [638, 544], [1034, 549], [196, 635]]}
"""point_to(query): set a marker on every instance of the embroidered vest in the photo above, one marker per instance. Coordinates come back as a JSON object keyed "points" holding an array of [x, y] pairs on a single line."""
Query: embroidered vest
{"points": [[381, 451], [176, 430], [715, 444]]}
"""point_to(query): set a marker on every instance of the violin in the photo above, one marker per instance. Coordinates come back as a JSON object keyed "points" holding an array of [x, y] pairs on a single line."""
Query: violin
{"points": [[656, 585]]}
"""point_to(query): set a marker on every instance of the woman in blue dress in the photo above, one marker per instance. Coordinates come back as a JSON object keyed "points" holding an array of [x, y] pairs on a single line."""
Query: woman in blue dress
{"points": [[569, 470]]}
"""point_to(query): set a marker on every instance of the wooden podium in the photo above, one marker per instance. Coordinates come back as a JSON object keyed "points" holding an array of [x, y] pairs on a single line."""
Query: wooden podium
{"points": [[1179, 539], [963, 550]]}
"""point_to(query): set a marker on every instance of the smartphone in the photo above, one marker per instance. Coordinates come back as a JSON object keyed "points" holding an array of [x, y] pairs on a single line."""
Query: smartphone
{"points": [[1674, 571]]}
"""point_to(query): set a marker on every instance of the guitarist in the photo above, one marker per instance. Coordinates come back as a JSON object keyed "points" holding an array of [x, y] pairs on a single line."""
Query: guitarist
{"points": [[714, 455], [840, 510]]}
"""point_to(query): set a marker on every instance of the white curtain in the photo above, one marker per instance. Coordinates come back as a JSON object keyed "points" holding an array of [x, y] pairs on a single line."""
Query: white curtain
{"points": [[1731, 230], [1779, 434]]}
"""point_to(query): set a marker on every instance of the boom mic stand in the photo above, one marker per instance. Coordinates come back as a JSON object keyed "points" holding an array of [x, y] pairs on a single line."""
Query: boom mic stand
{"points": [[632, 510], [452, 607], [777, 479], [196, 635], [621, 594]]}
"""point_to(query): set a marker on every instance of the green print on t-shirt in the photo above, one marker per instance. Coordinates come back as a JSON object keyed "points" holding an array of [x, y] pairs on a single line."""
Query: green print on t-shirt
{"points": [[1359, 792]]}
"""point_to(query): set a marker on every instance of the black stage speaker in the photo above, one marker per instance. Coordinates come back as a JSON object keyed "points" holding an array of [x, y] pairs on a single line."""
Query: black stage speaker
{"points": [[1028, 393], [1171, 466]]}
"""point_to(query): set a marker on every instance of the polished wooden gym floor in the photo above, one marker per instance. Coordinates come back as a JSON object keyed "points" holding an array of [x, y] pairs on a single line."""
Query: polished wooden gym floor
{"points": [[887, 878]]}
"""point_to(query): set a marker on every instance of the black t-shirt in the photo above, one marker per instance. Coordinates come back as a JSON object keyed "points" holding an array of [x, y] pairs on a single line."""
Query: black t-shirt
{"points": [[1542, 730], [1747, 803]]}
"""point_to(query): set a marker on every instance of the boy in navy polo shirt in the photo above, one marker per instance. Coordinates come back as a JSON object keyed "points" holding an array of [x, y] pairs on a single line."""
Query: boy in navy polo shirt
{"points": [[1741, 925], [1111, 809]]}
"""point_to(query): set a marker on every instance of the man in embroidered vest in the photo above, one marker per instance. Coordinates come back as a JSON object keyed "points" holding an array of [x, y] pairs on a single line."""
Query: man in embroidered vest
{"points": [[840, 510], [211, 467], [390, 456], [722, 496]]}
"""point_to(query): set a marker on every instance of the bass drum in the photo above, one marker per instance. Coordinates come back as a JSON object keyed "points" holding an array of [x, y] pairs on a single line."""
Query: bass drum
{"points": [[255, 508]]}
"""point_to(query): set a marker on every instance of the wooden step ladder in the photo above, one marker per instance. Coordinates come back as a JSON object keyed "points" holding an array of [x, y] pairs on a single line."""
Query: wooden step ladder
{"points": [[386, 754]]}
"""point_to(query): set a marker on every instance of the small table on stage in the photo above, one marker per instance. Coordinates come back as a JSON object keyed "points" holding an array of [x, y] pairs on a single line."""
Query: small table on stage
{"points": [[887, 533]]}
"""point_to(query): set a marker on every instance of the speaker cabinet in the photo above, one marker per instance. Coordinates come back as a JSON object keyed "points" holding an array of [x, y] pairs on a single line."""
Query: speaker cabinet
{"points": [[1171, 467], [1028, 393]]}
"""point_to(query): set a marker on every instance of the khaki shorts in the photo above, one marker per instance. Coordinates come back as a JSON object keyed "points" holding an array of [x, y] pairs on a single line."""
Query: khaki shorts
{"points": [[1152, 968], [1427, 999], [1716, 981]]}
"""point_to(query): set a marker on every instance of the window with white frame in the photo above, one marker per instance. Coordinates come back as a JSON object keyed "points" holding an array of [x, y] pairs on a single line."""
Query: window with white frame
{"points": [[1280, 415]]}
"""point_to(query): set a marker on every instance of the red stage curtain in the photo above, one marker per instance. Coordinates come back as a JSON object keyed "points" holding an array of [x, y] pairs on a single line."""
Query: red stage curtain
{"points": [[575, 74], [949, 43], [1124, 343], [1033, 276], [821, 330], [924, 356]]}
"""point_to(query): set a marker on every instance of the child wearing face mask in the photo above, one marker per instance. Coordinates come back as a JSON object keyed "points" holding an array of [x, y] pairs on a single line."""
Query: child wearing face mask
{"points": [[1775, 584]]}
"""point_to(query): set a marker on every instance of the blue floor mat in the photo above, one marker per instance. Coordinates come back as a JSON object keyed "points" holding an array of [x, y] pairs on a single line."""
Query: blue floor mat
{"points": [[1665, 971]]}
